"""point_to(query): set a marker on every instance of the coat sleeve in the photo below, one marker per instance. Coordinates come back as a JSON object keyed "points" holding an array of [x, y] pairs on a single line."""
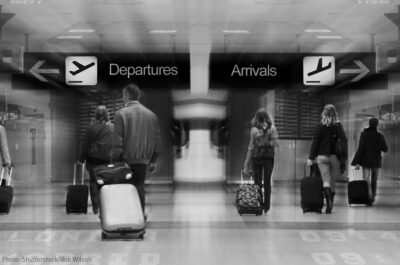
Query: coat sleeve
{"points": [[157, 140], [359, 152], [5, 154], [315, 143], [85, 146], [384, 146], [342, 136]]}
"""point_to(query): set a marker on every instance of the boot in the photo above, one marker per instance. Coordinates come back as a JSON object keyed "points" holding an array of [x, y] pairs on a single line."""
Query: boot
{"points": [[328, 198], [332, 199]]}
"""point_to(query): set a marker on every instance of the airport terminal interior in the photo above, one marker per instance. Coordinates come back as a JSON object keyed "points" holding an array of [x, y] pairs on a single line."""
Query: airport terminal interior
{"points": [[204, 67]]}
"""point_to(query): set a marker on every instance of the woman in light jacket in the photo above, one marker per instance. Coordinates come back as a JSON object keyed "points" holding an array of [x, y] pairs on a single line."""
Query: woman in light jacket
{"points": [[323, 152]]}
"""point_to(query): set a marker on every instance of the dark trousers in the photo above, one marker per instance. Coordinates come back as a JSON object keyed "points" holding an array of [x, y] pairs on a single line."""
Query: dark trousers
{"points": [[93, 188], [262, 170], [373, 173], [138, 178]]}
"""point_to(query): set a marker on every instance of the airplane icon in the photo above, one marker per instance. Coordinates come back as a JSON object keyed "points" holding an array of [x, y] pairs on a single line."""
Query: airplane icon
{"points": [[81, 67], [323, 74], [320, 68], [81, 70]]}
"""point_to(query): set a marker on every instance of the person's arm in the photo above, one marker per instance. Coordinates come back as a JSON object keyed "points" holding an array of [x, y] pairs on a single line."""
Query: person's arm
{"points": [[249, 150], [275, 136], [85, 146], [4, 147], [315, 144], [384, 146], [360, 150], [342, 136], [157, 141], [119, 127]]}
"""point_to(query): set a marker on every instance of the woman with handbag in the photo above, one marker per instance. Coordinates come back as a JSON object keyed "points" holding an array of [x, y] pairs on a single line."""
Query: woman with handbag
{"points": [[329, 151], [98, 148], [261, 153]]}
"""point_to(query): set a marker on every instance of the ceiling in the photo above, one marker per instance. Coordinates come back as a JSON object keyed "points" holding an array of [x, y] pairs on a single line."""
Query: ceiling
{"points": [[272, 25]]}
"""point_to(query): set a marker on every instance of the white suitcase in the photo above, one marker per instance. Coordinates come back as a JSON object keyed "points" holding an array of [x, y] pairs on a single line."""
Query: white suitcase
{"points": [[121, 213]]}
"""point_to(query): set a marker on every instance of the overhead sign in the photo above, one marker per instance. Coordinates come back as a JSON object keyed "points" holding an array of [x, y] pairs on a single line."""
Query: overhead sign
{"points": [[103, 71], [294, 70]]}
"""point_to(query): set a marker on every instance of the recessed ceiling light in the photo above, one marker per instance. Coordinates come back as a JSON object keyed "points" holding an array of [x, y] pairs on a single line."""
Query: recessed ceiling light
{"points": [[70, 37], [163, 31], [329, 37], [373, 2], [81, 30], [235, 31], [318, 30]]}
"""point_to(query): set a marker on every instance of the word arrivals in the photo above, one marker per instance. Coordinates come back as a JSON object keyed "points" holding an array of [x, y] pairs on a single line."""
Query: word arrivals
{"points": [[254, 71]]}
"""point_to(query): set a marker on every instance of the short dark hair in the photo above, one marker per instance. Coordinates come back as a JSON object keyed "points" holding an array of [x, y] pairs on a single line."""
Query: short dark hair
{"points": [[373, 123], [133, 91]]}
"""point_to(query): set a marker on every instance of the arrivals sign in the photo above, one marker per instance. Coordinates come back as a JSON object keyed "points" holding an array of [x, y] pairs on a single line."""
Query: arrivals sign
{"points": [[294, 70], [95, 71]]}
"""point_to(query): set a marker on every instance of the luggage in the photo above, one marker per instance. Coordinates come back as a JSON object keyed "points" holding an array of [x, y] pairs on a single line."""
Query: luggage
{"points": [[248, 198], [311, 190], [6, 192], [112, 173], [121, 213], [77, 195], [358, 192]]}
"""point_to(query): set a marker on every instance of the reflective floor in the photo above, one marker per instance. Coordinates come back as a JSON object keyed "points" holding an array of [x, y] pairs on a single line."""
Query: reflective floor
{"points": [[199, 225]]}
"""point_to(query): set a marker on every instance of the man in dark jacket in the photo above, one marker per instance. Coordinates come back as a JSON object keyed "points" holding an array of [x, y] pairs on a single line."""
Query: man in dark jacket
{"points": [[140, 132], [368, 154]]}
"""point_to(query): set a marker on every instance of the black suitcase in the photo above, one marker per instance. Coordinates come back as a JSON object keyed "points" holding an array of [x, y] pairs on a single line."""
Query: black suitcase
{"points": [[358, 192], [6, 193], [311, 190], [77, 195]]}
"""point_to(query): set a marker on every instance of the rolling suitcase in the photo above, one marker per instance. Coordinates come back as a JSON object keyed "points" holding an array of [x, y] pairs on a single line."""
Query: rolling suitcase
{"points": [[121, 213], [311, 190], [77, 195], [6, 193], [248, 198], [358, 192]]}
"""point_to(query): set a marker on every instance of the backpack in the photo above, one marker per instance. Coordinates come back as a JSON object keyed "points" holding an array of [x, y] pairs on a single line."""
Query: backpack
{"points": [[263, 147]]}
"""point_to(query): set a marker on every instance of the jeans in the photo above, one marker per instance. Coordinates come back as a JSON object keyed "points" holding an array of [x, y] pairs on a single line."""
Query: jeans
{"points": [[138, 178], [373, 173], [329, 166], [93, 188], [262, 170]]}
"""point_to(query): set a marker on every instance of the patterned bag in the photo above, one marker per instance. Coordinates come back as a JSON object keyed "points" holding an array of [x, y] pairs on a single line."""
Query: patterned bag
{"points": [[248, 199]]}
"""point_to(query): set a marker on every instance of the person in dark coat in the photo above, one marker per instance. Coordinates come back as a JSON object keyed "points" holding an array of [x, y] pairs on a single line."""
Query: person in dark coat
{"points": [[369, 154]]}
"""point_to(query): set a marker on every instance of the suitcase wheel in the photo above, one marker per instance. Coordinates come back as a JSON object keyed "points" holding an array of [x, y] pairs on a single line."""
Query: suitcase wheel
{"points": [[141, 236], [103, 236]]}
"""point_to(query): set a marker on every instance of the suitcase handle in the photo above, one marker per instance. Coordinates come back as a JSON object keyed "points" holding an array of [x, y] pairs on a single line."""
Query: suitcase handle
{"points": [[250, 174], [82, 172], [9, 175], [312, 169]]}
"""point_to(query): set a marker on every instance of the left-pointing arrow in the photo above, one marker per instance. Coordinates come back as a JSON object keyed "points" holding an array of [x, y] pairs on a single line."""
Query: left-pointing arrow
{"points": [[36, 71], [362, 71]]}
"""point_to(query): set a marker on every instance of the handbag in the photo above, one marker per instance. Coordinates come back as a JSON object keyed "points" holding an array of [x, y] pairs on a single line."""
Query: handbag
{"points": [[112, 173]]}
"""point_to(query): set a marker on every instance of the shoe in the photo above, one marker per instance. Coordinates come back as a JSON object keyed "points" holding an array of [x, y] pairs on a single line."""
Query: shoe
{"points": [[95, 210], [328, 198]]}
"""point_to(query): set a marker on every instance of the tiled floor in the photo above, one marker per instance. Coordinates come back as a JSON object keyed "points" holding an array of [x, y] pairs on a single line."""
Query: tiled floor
{"points": [[199, 225]]}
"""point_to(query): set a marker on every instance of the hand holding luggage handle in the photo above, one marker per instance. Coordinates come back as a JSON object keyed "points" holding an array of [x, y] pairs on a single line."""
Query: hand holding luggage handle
{"points": [[82, 173], [10, 169], [250, 174]]}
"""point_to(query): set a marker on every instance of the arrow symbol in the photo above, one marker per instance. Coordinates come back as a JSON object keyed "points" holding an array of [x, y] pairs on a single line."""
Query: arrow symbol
{"points": [[362, 71], [36, 71]]}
